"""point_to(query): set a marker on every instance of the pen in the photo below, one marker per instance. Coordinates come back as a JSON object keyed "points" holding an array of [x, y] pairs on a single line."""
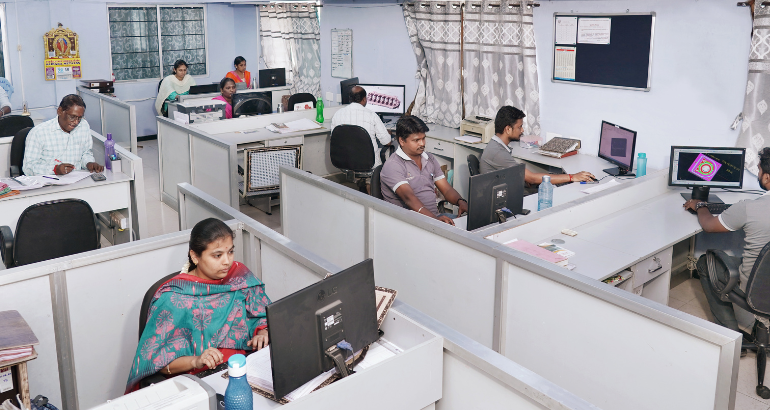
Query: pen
{"points": [[50, 177]]}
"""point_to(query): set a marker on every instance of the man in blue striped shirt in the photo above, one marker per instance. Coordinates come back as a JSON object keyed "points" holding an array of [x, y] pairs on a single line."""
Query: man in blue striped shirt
{"points": [[62, 144]]}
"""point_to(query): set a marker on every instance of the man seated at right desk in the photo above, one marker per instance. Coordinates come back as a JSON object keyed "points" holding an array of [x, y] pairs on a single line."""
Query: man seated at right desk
{"points": [[357, 114], [749, 215], [498, 155], [61, 144]]}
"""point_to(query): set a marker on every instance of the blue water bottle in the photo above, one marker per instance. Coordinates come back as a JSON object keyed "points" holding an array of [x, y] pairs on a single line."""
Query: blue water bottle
{"points": [[545, 194], [109, 151], [641, 165], [238, 394]]}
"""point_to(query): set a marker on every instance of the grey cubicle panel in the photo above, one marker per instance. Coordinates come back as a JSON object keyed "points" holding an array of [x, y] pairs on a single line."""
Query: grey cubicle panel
{"points": [[558, 324], [5, 156], [110, 115]]}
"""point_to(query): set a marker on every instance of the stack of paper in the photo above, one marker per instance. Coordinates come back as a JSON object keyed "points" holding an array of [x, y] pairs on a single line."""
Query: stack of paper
{"points": [[13, 354], [259, 373], [471, 139], [16, 337], [302, 124], [71, 178], [538, 252], [23, 183], [4, 189]]}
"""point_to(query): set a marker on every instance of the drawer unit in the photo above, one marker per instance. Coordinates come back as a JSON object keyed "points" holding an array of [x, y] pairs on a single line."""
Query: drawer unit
{"points": [[279, 142], [439, 147], [652, 267]]}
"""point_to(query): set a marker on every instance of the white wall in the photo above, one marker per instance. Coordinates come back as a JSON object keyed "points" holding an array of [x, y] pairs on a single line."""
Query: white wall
{"points": [[382, 53]]}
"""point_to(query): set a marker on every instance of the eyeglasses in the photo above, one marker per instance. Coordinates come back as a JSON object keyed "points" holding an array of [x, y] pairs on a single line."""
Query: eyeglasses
{"points": [[74, 118]]}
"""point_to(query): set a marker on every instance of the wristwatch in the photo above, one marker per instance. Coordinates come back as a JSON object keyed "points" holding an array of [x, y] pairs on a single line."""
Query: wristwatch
{"points": [[700, 205]]}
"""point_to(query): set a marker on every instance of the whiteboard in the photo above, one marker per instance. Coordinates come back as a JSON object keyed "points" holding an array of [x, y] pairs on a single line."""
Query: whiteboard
{"points": [[342, 53]]}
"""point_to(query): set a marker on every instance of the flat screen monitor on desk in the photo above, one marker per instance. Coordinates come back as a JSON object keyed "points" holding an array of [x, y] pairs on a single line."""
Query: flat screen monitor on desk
{"points": [[274, 77], [702, 168], [490, 192], [305, 324], [617, 145], [252, 103], [385, 99], [204, 89]]}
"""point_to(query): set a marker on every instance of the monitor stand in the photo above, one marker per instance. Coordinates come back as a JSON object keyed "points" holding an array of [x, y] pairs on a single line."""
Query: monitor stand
{"points": [[618, 172], [701, 193]]}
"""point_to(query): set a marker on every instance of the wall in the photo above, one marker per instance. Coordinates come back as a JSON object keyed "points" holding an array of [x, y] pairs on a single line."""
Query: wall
{"points": [[231, 31], [382, 53]]}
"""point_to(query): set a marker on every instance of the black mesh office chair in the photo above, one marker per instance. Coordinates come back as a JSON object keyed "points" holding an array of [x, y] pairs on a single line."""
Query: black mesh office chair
{"points": [[473, 165], [376, 188], [351, 151], [157, 377], [18, 144], [50, 230], [756, 299], [11, 124], [299, 98]]}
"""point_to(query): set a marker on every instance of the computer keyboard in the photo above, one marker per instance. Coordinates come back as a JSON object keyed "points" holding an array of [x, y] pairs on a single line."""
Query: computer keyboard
{"points": [[714, 209]]}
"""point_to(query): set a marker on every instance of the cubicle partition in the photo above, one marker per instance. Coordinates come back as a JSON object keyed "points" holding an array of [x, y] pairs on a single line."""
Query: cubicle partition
{"points": [[5, 157], [107, 114], [614, 349]]}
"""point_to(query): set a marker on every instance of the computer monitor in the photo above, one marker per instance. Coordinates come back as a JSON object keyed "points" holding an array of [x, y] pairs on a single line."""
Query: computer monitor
{"points": [[345, 87], [274, 77], [705, 167], [617, 145], [303, 325], [385, 99], [490, 192], [252, 103], [204, 89]]}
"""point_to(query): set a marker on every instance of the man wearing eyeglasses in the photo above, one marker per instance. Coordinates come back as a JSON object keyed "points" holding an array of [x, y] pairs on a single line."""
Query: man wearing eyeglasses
{"points": [[62, 144]]}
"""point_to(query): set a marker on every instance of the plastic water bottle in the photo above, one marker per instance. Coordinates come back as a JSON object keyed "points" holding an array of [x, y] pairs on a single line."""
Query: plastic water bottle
{"points": [[641, 165], [109, 151], [238, 394], [545, 194], [319, 109]]}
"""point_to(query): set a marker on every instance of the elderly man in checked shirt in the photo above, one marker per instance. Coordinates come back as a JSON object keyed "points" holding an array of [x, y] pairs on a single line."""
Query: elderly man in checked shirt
{"points": [[357, 114], [62, 144]]}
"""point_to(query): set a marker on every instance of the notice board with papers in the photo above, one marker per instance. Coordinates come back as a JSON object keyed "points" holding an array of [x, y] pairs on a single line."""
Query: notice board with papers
{"points": [[604, 50]]}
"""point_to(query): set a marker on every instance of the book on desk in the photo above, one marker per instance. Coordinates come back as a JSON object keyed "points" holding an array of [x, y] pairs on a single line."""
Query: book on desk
{"points": [[560, 147]]}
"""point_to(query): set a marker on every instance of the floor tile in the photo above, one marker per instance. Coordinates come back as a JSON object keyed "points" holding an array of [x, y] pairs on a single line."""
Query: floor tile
{"points": [[696, 310], [271, 221], [687, 290], [744, 402], [675, 303]]}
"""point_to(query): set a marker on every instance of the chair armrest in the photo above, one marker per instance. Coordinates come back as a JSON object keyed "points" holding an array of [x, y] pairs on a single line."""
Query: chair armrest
{"points": [[15, 171], [6, 246], [722, 289]]}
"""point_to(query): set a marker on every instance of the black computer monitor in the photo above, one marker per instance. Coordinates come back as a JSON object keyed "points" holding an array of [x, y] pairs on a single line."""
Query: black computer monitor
{"points": [[489, 193], [702, 168], [617, 145], [274, 77], [303, 325], [345, 87], [385, 99], [252, 103], [204, 89]]}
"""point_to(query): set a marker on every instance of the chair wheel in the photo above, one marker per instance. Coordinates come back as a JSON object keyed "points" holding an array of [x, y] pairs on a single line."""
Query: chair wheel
{"points": [[763, 392]]}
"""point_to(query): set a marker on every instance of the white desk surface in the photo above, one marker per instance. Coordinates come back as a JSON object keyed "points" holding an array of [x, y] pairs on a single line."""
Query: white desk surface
{"points": [[84, 183], [262, 134]]}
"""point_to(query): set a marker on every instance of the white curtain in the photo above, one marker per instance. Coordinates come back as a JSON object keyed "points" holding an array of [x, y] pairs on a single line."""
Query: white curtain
{"points": [[499, 60], [434, 30], [755, 129], [290, 37]]}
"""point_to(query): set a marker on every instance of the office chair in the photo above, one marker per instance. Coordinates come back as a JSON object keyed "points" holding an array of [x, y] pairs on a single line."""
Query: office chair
{"points": [[18, 144], [376, 188], [11, 124], [755, 300], [157, 377], [473, 165], [351, 151], [299, 98], [50, 230]]}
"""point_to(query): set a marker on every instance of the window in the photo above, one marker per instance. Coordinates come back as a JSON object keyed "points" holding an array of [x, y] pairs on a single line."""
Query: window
{"points": [[139, 45]]}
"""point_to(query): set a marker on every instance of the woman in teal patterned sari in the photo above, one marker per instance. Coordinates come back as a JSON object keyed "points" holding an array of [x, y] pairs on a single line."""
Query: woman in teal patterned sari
{"points": [[213, 309]]}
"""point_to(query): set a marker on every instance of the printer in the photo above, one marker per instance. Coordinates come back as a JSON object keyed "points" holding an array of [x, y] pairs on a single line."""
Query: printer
{"points": [[198, 110], [478, 126], [184, 392]]}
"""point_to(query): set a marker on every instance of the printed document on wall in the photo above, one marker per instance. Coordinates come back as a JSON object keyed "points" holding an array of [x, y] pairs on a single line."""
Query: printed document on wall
{"points": [[566, 30], [594, 30], [564, 63], [342, 53]]}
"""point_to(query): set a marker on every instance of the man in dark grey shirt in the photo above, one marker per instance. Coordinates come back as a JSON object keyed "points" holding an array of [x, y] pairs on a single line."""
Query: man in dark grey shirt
{"points": [[753, 217], [410, 177], [497, 154]]}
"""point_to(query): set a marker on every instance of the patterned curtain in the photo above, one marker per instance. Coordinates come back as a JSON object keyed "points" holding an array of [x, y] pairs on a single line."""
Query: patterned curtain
{"points": [[499, 60], [756, 126], [434, 30], [183, 37], [291, 36]]}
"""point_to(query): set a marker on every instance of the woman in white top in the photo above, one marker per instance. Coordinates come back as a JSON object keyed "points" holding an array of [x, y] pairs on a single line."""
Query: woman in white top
{"points": [[177, 84]]}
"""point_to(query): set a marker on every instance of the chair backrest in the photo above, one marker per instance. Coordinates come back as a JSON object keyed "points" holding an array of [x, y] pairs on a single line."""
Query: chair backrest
{"points": [[18, 144], [299, 98], [473, 165], [148, 298], [11, 124], [351, 148], [758, 285], [376, 188], [54, 229]]}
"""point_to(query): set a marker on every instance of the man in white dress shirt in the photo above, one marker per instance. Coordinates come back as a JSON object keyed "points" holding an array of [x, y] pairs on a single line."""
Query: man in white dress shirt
{"points": [[357, 114]]}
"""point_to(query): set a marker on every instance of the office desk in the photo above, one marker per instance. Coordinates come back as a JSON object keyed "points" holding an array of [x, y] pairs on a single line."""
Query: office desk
{"points": [[277, 95], [104, 196]]}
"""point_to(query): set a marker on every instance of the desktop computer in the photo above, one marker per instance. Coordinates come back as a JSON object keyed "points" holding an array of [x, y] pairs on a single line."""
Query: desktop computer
{"points": [[703, 168], [386, 100], [489, 193], [274, 77], [305, 327], [345, 87], [252, 103], [617, 145]]}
